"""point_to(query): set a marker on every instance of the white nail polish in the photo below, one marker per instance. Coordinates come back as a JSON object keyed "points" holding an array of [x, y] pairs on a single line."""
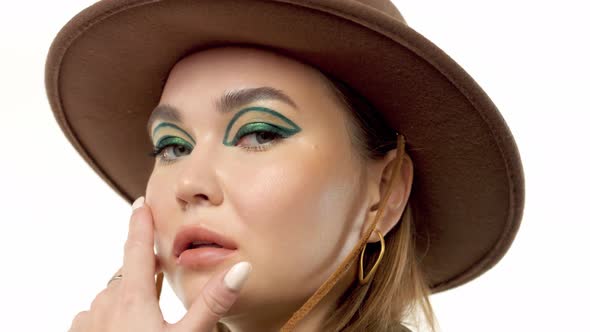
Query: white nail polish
{"points": [[138, 203], [237, 275]]}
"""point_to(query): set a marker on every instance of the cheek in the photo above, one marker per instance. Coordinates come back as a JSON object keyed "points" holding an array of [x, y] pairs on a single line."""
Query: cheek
{"points": [[158, 196], [298, 206]]}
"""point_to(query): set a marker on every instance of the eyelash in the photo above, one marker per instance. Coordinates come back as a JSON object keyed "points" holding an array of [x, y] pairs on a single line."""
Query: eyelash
{"points": [[276, 138]]}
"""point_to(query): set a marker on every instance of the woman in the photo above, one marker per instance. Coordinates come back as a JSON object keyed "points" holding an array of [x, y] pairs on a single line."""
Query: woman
{"points": [[279, 135]]}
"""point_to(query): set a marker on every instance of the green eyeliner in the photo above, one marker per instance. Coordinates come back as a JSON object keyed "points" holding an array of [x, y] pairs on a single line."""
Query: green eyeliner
{"points": [[248, 128], [252, 127], [169, 139], [167, 124]]}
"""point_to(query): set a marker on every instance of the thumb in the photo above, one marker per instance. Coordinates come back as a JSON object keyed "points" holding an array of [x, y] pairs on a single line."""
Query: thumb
{"points": [[216, 298]]}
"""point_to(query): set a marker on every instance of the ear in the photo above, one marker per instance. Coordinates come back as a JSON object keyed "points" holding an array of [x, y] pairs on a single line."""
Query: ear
{"points": [[379, 178]]}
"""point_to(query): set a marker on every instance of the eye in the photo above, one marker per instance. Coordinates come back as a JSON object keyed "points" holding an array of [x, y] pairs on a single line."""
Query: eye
{"points": [[170, 149], [259, 139]]}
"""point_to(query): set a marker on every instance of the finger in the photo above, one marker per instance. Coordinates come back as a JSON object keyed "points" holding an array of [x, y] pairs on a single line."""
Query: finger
{"points": [[139, 260], [158, 272], [79, 321], [158, 268], [119, 271], [216, 298], [113, 280]]}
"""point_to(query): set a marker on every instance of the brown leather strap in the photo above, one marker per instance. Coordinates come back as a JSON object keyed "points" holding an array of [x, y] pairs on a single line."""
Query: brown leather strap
{"points": [[159, 280]]}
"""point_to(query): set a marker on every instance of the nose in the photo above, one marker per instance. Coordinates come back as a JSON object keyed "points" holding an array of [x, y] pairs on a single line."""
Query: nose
{"points": [[197, 181]]}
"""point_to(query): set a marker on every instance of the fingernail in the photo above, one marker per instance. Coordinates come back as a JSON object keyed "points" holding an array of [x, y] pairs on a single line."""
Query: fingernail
{"points": [[138, 203], [235, 278]]}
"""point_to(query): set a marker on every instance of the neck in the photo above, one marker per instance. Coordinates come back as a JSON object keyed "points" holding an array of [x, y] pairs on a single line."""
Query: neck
{"points": [[272, 319]]}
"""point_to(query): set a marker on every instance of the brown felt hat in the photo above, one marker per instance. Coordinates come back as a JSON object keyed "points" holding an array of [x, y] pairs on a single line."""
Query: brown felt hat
{"points": [[107, 67]]}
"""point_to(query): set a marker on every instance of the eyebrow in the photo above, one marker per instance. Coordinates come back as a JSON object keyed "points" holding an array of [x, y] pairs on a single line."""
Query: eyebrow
{"points": [[227, 103]]}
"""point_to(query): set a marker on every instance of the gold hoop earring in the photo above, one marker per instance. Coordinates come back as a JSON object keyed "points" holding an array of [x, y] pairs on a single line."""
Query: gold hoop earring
{"points": [[362, 279]]}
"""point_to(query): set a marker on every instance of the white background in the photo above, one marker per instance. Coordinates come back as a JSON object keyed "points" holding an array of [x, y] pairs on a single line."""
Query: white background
{"points": [[63, 229]]}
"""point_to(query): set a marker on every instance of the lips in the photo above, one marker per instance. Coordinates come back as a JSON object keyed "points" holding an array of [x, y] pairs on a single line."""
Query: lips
{"points": [[198, 235]]}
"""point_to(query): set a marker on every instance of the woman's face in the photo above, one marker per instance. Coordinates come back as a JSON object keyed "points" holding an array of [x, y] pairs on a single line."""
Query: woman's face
{"points": [[294, 206]]}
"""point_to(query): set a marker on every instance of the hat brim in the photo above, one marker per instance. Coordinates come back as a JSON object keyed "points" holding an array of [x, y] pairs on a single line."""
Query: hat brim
{"points": [[107, 67]]}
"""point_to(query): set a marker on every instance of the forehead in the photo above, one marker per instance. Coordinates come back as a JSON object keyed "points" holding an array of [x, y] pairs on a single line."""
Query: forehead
{"points": [[207, 74]]}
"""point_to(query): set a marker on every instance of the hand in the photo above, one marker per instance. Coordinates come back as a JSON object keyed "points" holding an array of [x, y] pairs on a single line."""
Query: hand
{"points": [[131, 303]]}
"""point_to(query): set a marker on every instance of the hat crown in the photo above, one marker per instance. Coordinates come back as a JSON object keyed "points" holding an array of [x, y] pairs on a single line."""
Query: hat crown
{"points": [[384, 6]]}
